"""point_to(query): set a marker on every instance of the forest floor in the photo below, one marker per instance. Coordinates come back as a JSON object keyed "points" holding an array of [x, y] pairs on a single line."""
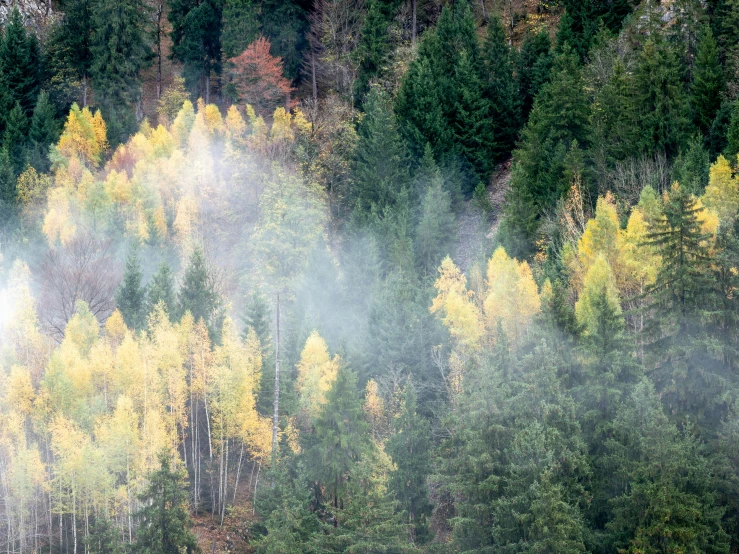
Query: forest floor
{"points": [[477, 229]]}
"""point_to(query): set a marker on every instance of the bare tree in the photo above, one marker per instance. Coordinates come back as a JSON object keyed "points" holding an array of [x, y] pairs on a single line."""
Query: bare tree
{"points": [[83, 270]]}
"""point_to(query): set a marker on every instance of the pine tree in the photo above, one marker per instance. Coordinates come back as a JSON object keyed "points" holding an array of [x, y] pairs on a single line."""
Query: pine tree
{"points": [[14, 138], [165, 519], [20, 64], [708, 82], [131, 296], [161, 289], [381, 167], [196, 41]]}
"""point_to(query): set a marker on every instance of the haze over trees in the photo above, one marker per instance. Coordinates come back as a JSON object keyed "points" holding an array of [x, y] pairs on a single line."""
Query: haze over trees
{"points": [[394, 276]]}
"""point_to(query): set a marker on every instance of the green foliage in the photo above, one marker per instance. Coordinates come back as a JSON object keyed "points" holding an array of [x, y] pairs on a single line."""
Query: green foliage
{"points": [[533, 68], [284, 23], [373, 48], [240, 26], [43, 133], [708, 83], [131, 296], [104, 538], [7, 183], [436, 227], [20, 65], [691, 166], [165, 520], [197, 293], [14, 138], [258, 316], [161, 289]]}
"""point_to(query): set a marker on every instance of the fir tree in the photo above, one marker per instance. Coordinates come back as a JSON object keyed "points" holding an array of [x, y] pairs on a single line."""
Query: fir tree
{"points": [[161, 289], [165, 519], [284, 23], [104, 538], [131, 296], [7, 184], [578, 26], [240, 26], [435, 230], [258, 316], [708, 82], [533, 69]]}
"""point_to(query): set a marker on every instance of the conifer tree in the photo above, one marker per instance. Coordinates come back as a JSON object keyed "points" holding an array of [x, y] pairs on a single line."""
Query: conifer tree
{"points": [[71, 43], [578, 26], [435, 230], [258, 316], [131, 296], [197, 293], [161, 289], [533, 68], [20, 63], [43, 133], [240, 26], [165, 519], [7, 184], [381, 169], [14, 137], [708, 82], [104, 538], [373, 48], [284, 23]]}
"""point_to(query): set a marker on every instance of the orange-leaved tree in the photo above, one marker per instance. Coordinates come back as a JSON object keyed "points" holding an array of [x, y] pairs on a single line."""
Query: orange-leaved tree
{"points": [[257, 79]]}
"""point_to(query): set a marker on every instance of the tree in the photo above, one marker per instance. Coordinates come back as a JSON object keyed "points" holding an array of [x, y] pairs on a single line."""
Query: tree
{"points": [[660, 98], [258, 317], [196, 41], [436, 224], [708, 82], [104, 538], [165, 526], [161, 289], [316, 376], [14, 138], [284, 23], [598, 309], [256, 77], [373, 48], [131, 296], [20, 64], [71, 41], [533, 69], [240, 26], [381, 167], [43, 133], [577, 27], [7, 184], [197, 293]]}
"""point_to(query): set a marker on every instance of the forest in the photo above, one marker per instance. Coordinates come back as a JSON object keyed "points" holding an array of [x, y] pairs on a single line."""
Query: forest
{"points": [[369, 276]]}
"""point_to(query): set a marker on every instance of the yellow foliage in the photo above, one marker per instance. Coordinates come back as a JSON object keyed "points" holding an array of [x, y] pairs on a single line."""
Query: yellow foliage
{"points": [[374, 410], [316, 374], [119, 187], [183, 123], [601, 237], [32, 187], [599, 280], [58, 223], [453, 301], [83, 137], [19, 393], [639, 260], [512, 295], [281, 126], [722, 193]]}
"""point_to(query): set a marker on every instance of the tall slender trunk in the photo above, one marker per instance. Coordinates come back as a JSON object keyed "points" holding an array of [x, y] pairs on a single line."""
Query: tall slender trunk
{"points": [[84, 90], [275, 419], [414, 25], [314, 81], [160, 12], [238, 473]]}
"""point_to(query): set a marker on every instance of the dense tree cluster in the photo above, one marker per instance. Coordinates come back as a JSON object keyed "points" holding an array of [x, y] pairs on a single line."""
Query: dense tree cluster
{"points": [[370, 277]]}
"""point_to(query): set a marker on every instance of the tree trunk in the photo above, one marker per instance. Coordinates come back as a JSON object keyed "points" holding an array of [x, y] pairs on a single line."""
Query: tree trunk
{"points": [[275, 419], [314, 81], [414, 27]]}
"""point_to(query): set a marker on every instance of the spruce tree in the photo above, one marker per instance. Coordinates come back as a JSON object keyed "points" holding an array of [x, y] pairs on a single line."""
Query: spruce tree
{"points": [[20, 63], [660, 98], [708, 82], [436, 226], [104, 538], [161, 289], [533, 68], [258, 316], [14, 137], [43, 133], [284, 23], [240, 26], [165, 519], [71, 43], [196, 41], [197, 293], [131, 296], [373, 48], [577, 26], [500, 86], [381, 167], [7, 184]]}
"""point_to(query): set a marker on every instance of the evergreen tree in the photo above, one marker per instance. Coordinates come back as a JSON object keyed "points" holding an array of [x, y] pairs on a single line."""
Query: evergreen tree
{"points": [[240, 26], [258, 316], [197, 293], [708, 82], [161, 289], [577, 26], [71, 43], [410, 447], [284, 23], [196, 41], [381, 167], [500, 86], [165, 519], [104, 538], [14, 138], [43, 133], [121, 48], [373, 48], [20, 64], [548, 152], [7, 184], [533, 69], [435, 231], [660, 98], [131, 296], [692, 165]]}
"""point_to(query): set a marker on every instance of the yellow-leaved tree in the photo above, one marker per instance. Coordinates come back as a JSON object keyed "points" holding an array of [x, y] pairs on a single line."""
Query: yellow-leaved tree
{"points": [[455, 305], [722, 193], [316, 375]]}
